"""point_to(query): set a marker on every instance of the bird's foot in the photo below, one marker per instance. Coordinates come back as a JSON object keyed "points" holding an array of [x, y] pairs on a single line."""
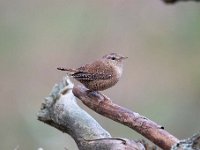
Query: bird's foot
{"points": [[95, 95]]}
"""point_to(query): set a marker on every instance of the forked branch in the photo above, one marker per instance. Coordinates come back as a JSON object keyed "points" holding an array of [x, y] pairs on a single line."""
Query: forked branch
{"points": [[61, 111]]}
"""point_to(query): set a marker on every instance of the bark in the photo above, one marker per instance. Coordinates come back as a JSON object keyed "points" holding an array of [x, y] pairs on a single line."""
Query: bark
{"points": [[192, 143]]}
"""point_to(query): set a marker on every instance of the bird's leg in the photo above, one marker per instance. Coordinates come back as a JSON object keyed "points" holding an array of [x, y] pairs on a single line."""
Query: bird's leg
{"points": [[95, 95]]}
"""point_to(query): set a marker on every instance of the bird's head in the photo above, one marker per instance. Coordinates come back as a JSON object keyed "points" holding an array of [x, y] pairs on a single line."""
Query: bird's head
{"points": [[114, 58]]}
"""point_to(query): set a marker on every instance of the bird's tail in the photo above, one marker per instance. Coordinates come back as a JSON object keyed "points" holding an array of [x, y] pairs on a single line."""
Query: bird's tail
{"points": [[67, 69]]}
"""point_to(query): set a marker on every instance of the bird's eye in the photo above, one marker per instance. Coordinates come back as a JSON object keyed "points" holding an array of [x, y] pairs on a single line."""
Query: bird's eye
{"points": [[113, 58]]}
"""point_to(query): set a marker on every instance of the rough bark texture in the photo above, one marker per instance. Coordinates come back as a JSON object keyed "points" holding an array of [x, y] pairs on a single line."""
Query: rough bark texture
{"points": [[61, 111]]}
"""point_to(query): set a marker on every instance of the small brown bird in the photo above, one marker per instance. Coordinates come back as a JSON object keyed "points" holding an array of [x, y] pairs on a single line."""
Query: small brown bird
{"points": [[100, 74]]}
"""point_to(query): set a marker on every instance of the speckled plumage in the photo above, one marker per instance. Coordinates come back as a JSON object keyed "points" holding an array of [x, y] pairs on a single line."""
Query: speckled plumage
{"points": [[100, 74]]}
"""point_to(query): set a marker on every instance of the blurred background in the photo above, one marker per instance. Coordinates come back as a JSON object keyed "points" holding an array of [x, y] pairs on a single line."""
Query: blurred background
{"points": [[161, 77]]}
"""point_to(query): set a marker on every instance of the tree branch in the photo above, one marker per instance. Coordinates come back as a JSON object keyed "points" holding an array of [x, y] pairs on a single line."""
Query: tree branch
{"points": [[104, 106], [174, 1], [61, 111], [192, 143]]}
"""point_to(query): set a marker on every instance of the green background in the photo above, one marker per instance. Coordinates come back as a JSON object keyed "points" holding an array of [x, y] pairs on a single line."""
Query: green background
{"points": [[161, 78]]}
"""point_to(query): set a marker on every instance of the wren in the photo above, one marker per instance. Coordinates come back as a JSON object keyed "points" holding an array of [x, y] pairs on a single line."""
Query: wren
{"points": [[100, 74]]}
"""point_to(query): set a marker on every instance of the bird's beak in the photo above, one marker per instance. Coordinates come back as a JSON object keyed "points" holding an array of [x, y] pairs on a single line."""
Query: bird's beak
{"points": [[124, 57]]}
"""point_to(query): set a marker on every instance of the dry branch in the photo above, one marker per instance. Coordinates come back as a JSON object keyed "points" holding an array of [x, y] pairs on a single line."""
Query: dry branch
{"points": [[104, 106]]}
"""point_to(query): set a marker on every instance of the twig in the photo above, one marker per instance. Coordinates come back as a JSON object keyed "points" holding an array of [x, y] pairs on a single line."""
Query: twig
{"points": [[174, 1]]}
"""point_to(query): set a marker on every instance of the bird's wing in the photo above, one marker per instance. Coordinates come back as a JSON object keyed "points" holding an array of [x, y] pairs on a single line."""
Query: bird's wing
{"points": [[97, 70], [91, 76]]}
